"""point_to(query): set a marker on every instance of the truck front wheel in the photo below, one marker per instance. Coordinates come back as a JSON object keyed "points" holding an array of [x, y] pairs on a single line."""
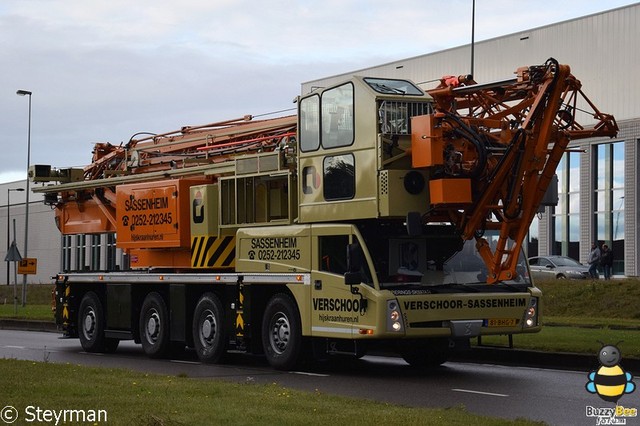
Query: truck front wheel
{"points": [[209, 336], [282, 332], [91, 325], [154, 326]]}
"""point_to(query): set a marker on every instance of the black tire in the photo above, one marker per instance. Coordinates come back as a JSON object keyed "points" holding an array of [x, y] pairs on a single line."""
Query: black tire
{"points": [[426, 354], [154, 326], [282, 332], [209, 331], [91, 325]]}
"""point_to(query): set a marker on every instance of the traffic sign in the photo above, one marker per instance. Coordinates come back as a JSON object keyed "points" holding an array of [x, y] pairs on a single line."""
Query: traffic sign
{"points": [[28, 266], [13, 255]]}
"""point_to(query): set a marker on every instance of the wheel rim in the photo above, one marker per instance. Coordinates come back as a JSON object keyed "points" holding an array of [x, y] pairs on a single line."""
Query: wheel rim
{"points": [[152, 330], [280, 332], [89, 324], [208, 328]]}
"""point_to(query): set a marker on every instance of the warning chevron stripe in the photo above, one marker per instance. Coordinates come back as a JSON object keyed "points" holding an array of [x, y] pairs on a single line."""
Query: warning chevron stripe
{"points": [[208, 251]]}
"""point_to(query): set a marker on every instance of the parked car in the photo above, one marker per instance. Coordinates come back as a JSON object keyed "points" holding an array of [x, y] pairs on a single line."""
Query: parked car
{"points": [[560, 267]]}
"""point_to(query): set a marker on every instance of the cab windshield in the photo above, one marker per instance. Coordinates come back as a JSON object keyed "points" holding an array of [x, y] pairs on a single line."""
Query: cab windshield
{"points": [[438, 261]]}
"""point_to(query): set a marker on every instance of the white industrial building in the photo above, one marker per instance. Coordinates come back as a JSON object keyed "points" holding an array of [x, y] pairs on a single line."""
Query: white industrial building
{"points": [[597, 177]]}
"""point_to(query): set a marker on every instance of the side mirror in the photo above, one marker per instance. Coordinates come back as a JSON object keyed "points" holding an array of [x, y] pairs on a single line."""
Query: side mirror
{"points": [[354, 274], [414, 224], [354, 265], [549, 266]]}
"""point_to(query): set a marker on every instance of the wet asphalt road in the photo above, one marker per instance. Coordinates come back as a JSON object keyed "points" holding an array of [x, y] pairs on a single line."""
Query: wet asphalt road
{"points": [[557, 397]]}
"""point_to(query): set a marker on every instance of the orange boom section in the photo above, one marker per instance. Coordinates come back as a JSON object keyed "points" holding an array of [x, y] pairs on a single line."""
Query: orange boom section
{"points": [[141, 190], [492, 150]]}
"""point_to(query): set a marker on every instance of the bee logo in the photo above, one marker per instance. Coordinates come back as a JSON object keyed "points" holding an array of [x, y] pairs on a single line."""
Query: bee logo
{"points": [[610, 381]]}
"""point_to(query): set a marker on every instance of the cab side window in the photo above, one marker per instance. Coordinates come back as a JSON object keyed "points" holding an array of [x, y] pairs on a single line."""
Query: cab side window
{"points": [[333, 253], [327, 121], [337, 116], [339, 175], [309, 123]]}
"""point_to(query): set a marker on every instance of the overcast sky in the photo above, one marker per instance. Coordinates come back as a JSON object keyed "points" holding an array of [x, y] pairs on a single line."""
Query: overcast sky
{"points": [[102, 70]]}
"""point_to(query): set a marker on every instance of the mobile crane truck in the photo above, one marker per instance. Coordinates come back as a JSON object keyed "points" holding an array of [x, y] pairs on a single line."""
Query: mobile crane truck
{"points": [[379, 217]]}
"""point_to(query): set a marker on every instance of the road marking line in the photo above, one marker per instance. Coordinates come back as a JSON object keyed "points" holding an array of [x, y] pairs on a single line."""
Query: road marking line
{"points": [[479, 392], [177, 361], [15, 347], [304, 373]]}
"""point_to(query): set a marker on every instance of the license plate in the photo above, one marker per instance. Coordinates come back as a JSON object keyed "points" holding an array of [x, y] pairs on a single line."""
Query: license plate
{"points": [[502, 322]]}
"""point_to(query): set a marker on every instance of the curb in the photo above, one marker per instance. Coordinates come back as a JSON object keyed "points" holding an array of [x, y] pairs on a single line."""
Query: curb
{"points": [[27, 325], [540, 359]]}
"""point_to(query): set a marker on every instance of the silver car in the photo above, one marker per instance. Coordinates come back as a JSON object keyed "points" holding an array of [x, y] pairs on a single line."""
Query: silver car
{"points": [[560, 267]]}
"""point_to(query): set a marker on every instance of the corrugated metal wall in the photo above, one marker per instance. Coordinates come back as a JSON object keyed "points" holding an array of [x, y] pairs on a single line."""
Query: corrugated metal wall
{"points": [[602, 50]]}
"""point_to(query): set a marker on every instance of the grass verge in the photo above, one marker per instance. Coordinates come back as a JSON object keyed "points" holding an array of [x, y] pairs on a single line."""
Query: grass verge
{"points": [[38, 306], [31, 312], [587, 299], [147, 399], [573, 339]]}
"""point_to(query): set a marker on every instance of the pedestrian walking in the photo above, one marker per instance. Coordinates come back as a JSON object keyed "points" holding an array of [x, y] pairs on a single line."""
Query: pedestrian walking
{"points": [[594, 260]]}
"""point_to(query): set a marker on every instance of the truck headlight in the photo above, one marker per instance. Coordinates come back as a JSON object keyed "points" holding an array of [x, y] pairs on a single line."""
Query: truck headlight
{"points": [[394, 316], [531, 314]]}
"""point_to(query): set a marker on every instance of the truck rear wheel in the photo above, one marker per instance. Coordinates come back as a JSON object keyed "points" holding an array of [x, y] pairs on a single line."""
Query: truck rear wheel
{"points": [[209, 333], [282, 332], [91, 325], [154, 326]]}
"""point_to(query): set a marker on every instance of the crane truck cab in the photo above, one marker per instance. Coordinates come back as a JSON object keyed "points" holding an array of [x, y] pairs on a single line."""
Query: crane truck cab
{"points": [[372, 282]]}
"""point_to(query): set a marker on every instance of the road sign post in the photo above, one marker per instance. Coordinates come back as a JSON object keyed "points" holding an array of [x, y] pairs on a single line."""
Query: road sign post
{"points": [[13, 255]]}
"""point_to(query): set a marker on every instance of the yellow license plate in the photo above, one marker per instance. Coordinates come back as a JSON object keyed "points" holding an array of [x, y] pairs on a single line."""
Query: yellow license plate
{"points": [[502, 322]]}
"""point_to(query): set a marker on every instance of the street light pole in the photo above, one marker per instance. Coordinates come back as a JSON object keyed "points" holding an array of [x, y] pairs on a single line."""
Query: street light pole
{"points": [[8, 225], [26, 205], [473, 33]]}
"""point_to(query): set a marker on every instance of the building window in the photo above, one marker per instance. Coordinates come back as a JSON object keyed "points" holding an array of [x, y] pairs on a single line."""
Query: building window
{"points": [[533, 237], [566, 215], [559, 213], [572, 199], [609, 200]]}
